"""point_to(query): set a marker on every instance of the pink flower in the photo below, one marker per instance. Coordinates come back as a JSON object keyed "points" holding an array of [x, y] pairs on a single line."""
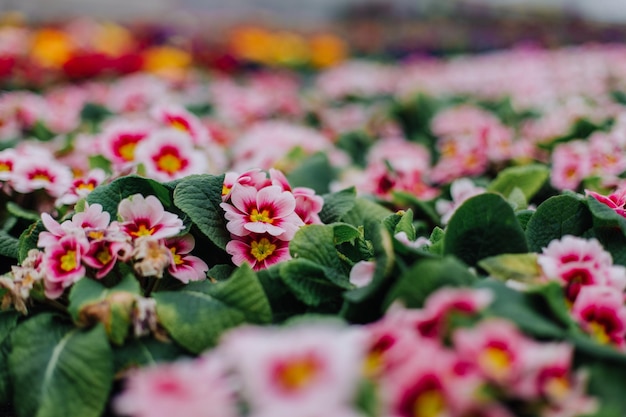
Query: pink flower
{"points": [[496, 348], [32, 173], [600, 311], [255, 178], [120, 138], [260, 252], [7, 161], [62, 263], [615, 201], [178, 118], [308, 204], [576, 262], [304, 370], [269, 210], [433, 320], [145, 216], [82, 186], [193, 388], [169, 154], [571, 163], [185, 267]]}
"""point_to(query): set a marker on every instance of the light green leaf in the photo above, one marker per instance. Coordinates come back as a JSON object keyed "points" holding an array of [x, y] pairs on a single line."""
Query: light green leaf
{"points": [[58, 370], [521, 267], [483, 226], [199, 197], [197, 315], [528, 178]]}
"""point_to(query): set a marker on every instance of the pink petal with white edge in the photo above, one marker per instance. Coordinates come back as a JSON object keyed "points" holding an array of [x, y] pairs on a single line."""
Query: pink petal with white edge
{"points": [[282, 203], [243, 197]]}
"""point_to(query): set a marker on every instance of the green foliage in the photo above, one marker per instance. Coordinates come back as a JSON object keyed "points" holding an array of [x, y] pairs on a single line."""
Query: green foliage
{"points": [[199, 197], [336, 205], [521, 267], [527, 178], [483, 226], [9, 245], [314, 172], [556, 217], [58, 370], [28, 239], [197, 315], [145, 351]]}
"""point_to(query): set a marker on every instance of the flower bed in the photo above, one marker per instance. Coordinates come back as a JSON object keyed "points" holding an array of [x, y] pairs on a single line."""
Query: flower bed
{"points": [[430, 238]]}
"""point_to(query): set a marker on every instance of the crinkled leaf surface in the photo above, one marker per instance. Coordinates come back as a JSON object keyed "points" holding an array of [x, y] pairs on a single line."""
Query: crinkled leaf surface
{"points": [[59, 370], [337, 204]]}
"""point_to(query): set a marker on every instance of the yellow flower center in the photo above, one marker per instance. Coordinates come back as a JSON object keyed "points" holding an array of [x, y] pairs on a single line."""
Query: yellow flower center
{"points": [[179, 125], [85, 186], [297, 373], [178, 260], [42, 176], [104, 257], [169, 163], [127, 151], [225, 189], [429, 403], [598, 331], [142, 230], [262, 249], [496, 361], [68, 261], [4, 167], [95, 234], [558, 387], [263, 216]]}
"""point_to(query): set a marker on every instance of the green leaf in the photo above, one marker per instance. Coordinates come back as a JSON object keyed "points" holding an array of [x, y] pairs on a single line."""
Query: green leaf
{"points": [[521, 267], [145, 351], [110, 195], [604, 216], [99, 161], [529, 312], [310, 283], [336, 205], [9, 245], [528, 178], [94, 113], [365, 210], [28, 239], [425, 277], [21, 213], [91, 302], [556, 217], [606, 382], [197, 315], [356, 144], [344, 232], [422, 209], [41, 132], [317, 243], [314, 172], [199, 197], [8, 321], [483, 226], [58, 370]]}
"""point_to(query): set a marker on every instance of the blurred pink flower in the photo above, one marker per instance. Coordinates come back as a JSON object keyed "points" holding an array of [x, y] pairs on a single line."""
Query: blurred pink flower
{"points": [[600, 311], [615, 200]]}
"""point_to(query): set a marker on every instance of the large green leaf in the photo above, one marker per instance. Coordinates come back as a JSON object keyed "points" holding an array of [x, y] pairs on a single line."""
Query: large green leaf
{"points": [[58, 370], [365, 210], [425, 277], [337, 204], [317, 243], [527, 178], [9, 245], [484, 226], [556, 217], [8, 321], [110, 195], [197, 315], [199, 197], [309, 282]]}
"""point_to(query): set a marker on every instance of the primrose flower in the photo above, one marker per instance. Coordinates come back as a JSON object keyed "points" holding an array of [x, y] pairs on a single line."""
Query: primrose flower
{"points": [[268, 210], [254, 177], [260, 251], [104, 252], [615, 201], [302, 370], [169, 154], [576, 262], [600, 311], [194, 388], [81, 187], [145, 216], [496, 348], [32, 173], [178, 118], [185, 267], [119, 140], [571, 163], [62, 261], [8, 158]]}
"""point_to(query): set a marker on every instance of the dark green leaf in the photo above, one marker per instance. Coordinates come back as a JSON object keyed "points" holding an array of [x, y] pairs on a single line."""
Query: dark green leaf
{"points": [[199, 197], [314, 172], [58, 370], [483, 226], [9, 245], [337, 204], [28, 239], [145, 351], [556, 217], [197, 315], [310, 283]]}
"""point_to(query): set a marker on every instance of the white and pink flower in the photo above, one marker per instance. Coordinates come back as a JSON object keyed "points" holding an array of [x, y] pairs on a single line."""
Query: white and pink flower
{"points": [[260, 251], [145, 216], [63, 264], [185, 267], [601, 312]]}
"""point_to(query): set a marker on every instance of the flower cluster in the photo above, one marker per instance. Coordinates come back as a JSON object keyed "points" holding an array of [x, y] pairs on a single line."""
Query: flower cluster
{"points": [[593, 286], [91, 245], [416, 362], [263, 214]]}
